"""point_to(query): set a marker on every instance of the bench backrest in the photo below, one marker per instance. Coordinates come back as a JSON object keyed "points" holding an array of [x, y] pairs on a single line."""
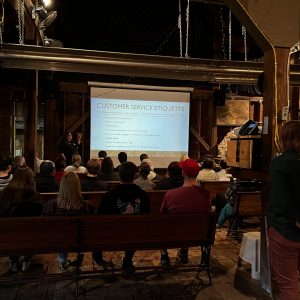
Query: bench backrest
{"points": [[94, 198], [215, 187], [248, 204], [38, 235]]}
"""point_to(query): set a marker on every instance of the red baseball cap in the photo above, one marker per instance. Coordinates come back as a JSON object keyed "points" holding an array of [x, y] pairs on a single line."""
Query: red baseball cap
{"points": [[190, 167]]}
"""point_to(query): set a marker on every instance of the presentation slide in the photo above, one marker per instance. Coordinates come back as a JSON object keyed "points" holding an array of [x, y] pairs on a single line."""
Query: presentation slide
{"points": [[158, 127]]}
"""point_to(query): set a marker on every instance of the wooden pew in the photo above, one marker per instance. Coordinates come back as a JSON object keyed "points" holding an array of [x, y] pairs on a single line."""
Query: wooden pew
{"points": [[248, 204], [94, 198], [40, 235], [214, 187], [111, 185]]}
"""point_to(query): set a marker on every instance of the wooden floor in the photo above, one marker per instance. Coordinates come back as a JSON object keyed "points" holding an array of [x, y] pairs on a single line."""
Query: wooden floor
{"points": [[229, 281]]}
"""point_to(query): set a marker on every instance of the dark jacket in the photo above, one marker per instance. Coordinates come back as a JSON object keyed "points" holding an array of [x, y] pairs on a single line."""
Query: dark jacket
{"points": [[89, 183], [46, 183], [125, 199], [284, 205], [169, 183]]}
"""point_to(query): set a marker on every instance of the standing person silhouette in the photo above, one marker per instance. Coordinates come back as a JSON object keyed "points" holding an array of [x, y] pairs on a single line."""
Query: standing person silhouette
{"points": [[284, 213], [67, 148]]}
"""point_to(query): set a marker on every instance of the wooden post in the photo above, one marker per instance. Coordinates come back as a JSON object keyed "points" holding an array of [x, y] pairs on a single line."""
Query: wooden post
{"points": [[275, 99], [31, 121]]}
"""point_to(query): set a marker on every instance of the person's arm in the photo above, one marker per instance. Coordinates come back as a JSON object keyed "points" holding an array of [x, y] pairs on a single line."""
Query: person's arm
{"points": [[298, 224]]}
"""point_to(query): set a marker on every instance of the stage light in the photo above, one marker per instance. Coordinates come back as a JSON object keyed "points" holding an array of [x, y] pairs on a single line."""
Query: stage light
{"points": [[47, 3]]}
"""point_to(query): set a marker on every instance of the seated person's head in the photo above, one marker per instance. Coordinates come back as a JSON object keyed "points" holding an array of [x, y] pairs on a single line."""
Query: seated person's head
{"points": [[174, 169], [93, 166], [223, 164], [19, 161], [102, 154], [76, 159], [122, 157], [143, 156], [47, 167], [208, 163], [190, 168], [5, 163], [183, 157], [144, 169], [107, 165], [127, 172], [60, 164], [25, 174], [149, 162]]}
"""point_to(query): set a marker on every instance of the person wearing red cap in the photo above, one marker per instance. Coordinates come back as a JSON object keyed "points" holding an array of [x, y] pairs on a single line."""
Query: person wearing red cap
{"points": [[189, 198]]}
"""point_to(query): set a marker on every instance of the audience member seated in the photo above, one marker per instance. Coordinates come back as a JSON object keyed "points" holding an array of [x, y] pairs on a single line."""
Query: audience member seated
{"points": [[76, 165], [143, 156], [126, 198], [207, 173], [122, 157], [174, 179], [91, 182], [223, 174], [183, 157], [189, 198], [20, 199], [5, 169], [45, 181], [226, 209], [18, 161], [152, 175], [142, 180], [101, 155], [107, 172], [60, 165], [69, 202]]}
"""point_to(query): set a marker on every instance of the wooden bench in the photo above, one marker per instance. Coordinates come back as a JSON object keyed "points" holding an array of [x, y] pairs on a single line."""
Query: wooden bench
{"points": [[94, 198], [247, 204], [41, 235], [215, 187]]}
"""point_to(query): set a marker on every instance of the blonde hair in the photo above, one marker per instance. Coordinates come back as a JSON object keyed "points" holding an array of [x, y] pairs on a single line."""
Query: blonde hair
{"points": [[69, 194], [76, 160]]}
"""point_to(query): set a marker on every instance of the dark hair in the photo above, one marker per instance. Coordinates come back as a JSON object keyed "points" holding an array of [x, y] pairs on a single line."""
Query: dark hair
{"points": [[290, 136], [46, 167], [223, 164], [93, 166], [144, 169], [174, 169], [102, 154], [143, 156], [60, 164], [5, 162], [122, 157], [207, 163], [24, 174], [107, 165], [127, 171]]}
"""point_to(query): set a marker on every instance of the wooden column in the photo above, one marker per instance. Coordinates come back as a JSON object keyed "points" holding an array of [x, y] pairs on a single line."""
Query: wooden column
{"points": [[30, 135], [275, 79]]}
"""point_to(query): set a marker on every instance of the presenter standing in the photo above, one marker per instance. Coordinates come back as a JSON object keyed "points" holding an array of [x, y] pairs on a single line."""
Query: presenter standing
{"points": [[67, 148]]}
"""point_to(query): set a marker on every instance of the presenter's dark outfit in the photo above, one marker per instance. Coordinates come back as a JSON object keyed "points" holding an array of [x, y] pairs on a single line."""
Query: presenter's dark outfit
{"points": [[284, 235], [68, 149]]}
